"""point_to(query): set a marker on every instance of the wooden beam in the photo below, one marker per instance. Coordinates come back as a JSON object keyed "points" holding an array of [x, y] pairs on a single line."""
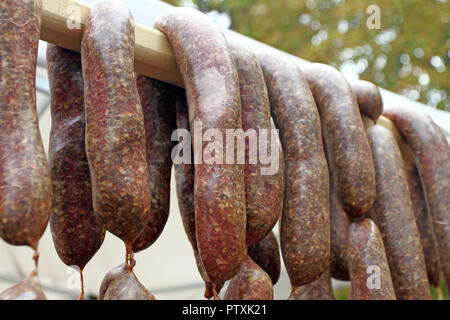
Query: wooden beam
{"points": [[153, 54]]}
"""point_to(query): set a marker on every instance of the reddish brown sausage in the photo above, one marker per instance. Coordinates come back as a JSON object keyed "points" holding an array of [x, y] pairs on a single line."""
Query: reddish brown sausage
{"points": [[367, 263], [77, 234], [369, 98], [394, 216], [266, 254], [115, 133], [184, 182], [432, 152], [212, 88], [25, 184], [348, 150], [251, 283], [305, 229], [320, 289], [121, 284], [424, 223], [338, 239], [263, 192], [28, 289], [158, 105]]}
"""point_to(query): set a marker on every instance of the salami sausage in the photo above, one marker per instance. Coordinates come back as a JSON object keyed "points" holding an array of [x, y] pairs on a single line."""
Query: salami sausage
{"points": [[339, 238], [320, 289], [212, 89], [158, 105], [423, 221], [263, 192], [367, 263], [77, 234], [28, 289], [266, 254], [393, 212], [115, 133], [25, 184], [251, 283], [184, 182], [348, 150], [432, 152], [369, 98], [305, 229], [121, 284]]}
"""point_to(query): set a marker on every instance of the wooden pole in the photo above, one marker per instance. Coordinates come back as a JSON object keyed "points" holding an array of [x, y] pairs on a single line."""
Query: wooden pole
{"points": [[153, 54]]}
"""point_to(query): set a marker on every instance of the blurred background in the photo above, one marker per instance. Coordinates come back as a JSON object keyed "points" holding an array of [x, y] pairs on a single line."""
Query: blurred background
{"points": [[408, 55]]}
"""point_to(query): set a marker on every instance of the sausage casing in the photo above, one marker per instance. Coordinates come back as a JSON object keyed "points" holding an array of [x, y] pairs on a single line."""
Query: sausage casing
{"points": [[393, 214], [115, 133], [266, 254], [305, 229], [25, 184]]}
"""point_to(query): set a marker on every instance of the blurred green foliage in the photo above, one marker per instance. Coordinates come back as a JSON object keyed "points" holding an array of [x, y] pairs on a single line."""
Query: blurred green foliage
{"points": [[409, 54]]}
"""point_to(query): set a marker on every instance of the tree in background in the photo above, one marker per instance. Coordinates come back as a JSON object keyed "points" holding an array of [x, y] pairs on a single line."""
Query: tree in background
{"points": [[409, 54]]}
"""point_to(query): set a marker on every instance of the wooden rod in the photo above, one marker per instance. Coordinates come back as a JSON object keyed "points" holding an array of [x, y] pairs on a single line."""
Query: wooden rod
{"points": [[153, 54]]}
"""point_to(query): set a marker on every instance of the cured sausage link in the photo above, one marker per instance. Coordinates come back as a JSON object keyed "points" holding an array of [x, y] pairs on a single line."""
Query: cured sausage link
{"points": [[266, 254], [76, 233], [348, 151], [212, 89], [394, 216], [158, 105], [432, 152], [367, 263], [305, 228], [115, 133], [369, 98], [25, 184]]}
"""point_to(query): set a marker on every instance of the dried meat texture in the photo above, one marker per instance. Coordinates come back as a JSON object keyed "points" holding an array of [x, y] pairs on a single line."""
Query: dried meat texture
{"points": [[368, 266], [251, 283], [212, 89], [115, 132], [348, 151], [320, 289], [305, 228], [339, 238], [263, 192], [29, 289], [394, 216], [121, 284], [432, 153], [424, 224], [77, 234], [184, 182], [266, 254], [25, 185], [158, 105], [369, 99]]}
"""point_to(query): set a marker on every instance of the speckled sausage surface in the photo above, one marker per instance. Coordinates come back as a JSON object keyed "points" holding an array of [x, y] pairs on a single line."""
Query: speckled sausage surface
{"points": [[263, 193], [251, 283], [339, 237], [121, 284], [393, 214], [348, 150], [368, 97], [424, 223], [305, 228], [212, 89], [76, 233], [266, 254], [115, 133], [184, 182], [25, 185], [29, 289], [158, 105], [320, 289], [367, 263], [432, 153]]}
